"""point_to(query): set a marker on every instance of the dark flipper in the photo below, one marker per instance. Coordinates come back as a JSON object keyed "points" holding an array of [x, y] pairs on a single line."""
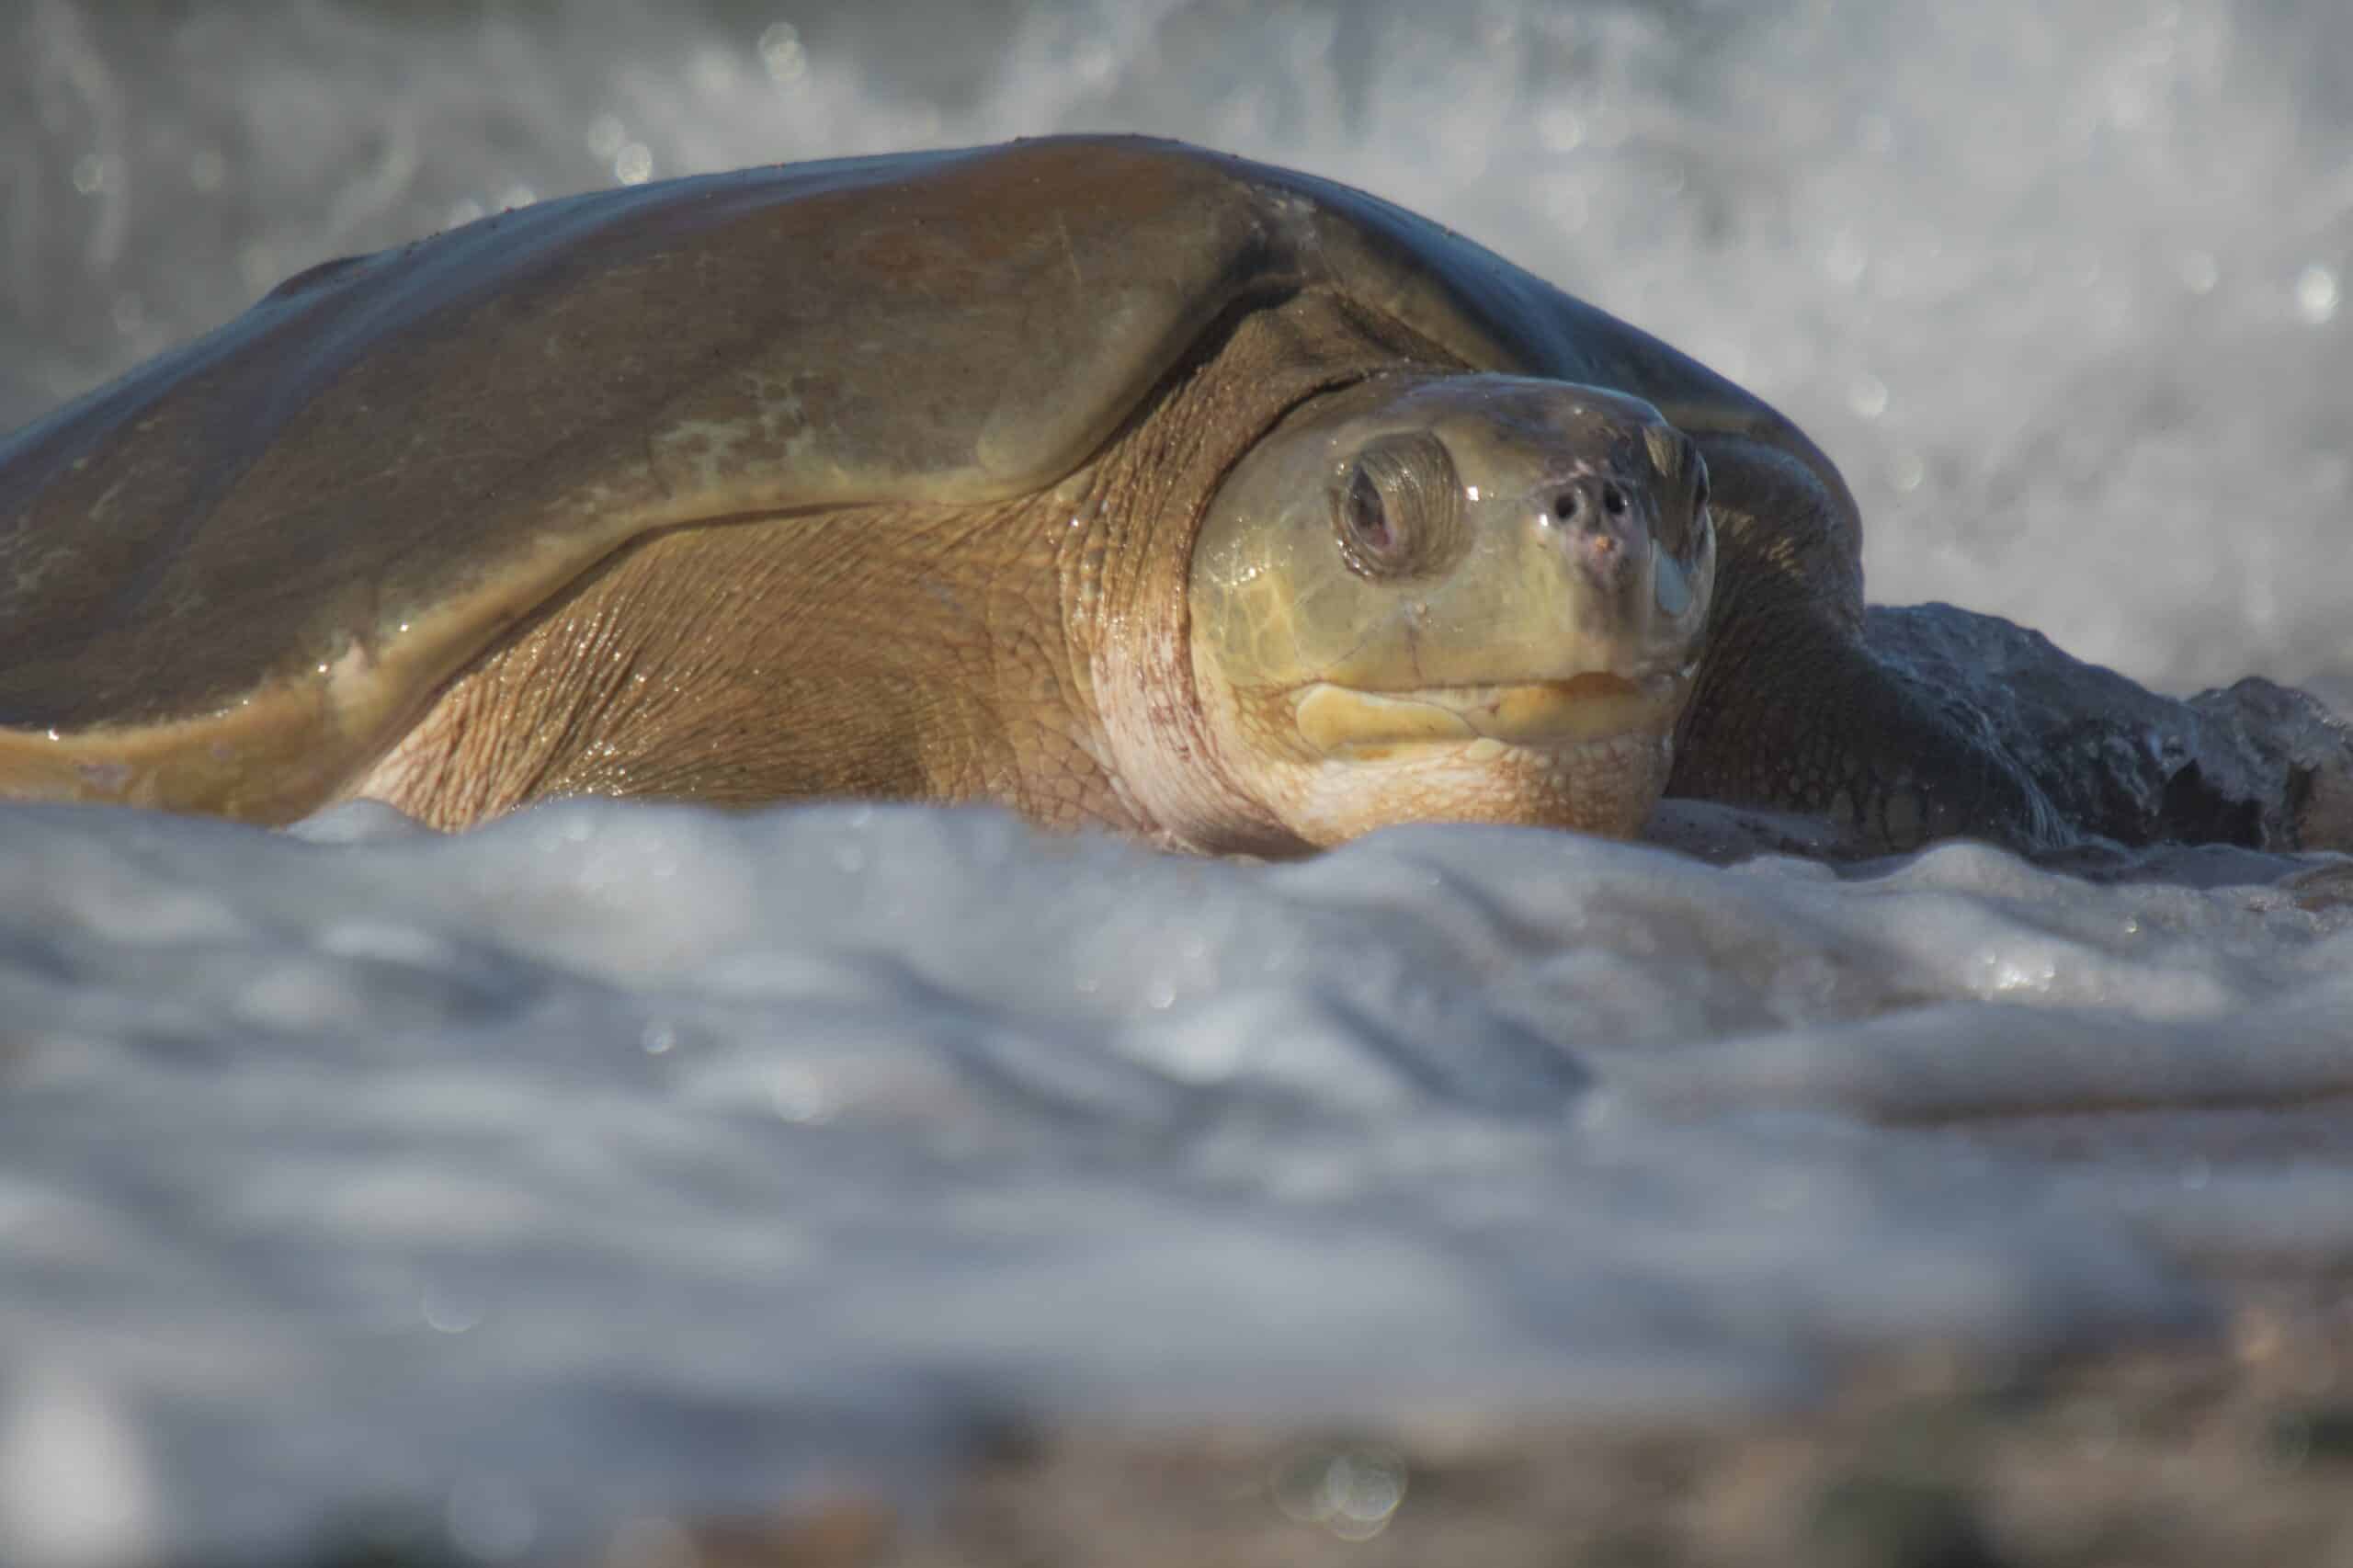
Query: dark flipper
{"points": [[1795, 712], [1928, 721]]}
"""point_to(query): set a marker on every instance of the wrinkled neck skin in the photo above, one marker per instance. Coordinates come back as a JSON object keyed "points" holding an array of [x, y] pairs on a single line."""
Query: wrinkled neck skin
{"points": [[1129, 616]]}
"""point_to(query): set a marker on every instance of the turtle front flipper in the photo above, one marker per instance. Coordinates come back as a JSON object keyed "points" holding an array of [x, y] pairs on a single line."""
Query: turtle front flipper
{"points": [[1793, 711]]}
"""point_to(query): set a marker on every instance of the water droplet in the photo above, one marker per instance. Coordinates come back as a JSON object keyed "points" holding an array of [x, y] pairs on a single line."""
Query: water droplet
{"points": [[515, 196], [1847, 259], [1352, 1493], [781, 53], [2317, 294], [633, 165], [1905, 472], [1868, 396], [95, 173], [802, 1098], [1095, 64], [1561, 128], [659, 1037], [606, 136]]}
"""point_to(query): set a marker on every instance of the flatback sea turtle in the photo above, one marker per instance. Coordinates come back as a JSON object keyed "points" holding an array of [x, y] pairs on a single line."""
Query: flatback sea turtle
{"points": [[1109, 479]]}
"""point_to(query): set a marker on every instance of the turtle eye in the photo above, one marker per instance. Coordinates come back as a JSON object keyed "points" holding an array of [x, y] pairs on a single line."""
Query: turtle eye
{"points": [[1398, 507], [1364, 518]]}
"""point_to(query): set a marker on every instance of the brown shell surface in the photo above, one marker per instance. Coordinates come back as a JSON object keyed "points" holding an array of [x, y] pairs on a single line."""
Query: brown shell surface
{"points": [[229, 579]]}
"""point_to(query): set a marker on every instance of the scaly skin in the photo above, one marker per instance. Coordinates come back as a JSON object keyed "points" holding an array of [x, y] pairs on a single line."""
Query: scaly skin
{"points": [[1791, 710]]}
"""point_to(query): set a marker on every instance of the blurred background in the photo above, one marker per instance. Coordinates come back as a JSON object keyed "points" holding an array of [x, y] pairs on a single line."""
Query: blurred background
{"points": [[2060, 283]]}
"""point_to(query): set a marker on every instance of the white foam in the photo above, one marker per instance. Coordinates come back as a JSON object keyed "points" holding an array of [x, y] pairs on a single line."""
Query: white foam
{"points": [[621, 1155]]}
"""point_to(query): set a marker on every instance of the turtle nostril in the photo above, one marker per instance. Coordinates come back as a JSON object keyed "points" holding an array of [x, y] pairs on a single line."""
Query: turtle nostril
{"points": [[1613, 500]]}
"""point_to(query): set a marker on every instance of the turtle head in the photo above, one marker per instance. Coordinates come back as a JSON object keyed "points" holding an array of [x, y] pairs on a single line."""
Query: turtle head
{"points": [[1453, 597]]}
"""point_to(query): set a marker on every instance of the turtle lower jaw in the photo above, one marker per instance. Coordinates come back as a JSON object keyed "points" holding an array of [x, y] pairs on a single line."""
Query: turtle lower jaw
{"points": [[1347, 725]]}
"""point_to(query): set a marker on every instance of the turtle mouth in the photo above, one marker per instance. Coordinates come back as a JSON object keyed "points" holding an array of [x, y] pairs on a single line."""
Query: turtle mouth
{"points": [[1348, 725]]}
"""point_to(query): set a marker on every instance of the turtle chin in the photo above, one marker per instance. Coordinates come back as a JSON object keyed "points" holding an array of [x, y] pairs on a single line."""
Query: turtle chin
{"points": [[1607, 785], [1589, 752]]}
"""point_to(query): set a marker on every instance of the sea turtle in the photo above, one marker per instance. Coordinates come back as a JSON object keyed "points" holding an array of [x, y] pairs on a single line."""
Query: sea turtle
{"points": [[1114, 479]]}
